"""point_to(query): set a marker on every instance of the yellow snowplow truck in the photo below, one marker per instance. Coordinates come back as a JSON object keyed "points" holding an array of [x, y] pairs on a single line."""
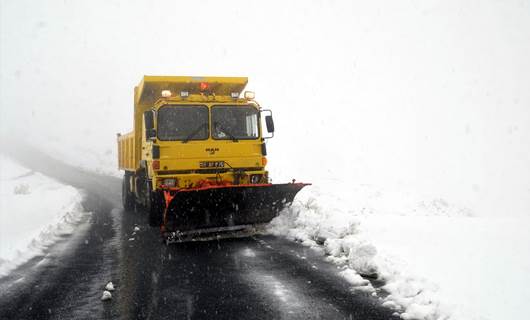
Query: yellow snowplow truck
{"points": [[196, 157]]}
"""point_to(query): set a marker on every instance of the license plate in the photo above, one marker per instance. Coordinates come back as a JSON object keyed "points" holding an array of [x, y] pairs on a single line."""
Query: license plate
{"points": [[212, 164]]}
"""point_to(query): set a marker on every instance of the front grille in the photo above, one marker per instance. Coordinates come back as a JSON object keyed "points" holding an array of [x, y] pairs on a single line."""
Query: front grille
{"points": [[205, 171]]}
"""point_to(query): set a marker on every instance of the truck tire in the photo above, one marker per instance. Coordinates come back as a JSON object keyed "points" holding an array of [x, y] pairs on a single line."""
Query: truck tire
{"points": [[154, 206], [127, 196]]}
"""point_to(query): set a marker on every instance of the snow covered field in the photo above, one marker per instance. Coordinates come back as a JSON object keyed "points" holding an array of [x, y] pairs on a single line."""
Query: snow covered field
{"points": [[35, 211], [476, 268], [438, 260]]}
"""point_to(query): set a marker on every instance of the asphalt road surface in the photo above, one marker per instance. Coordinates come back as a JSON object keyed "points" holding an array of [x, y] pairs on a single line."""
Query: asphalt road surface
{"points": [[259, 277]]}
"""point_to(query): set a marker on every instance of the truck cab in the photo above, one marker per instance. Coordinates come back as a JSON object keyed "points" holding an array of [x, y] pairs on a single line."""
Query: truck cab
{"points": [[196, 140]]}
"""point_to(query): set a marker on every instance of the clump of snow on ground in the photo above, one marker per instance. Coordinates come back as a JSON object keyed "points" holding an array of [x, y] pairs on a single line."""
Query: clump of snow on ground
{"points": [[106, 296], [438, 261], [109, 286], [35, 211]]}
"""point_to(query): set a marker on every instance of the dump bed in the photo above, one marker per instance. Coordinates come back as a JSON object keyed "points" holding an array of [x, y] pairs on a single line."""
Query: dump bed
{"points": [[126, 148]]}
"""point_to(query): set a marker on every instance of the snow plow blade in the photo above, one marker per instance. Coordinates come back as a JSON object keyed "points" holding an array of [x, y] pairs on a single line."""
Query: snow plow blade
{"points": [[223, 211]]}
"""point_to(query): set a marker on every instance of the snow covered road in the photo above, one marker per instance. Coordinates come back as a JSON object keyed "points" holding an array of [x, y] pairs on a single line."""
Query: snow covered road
{"points": [[263, 277]]}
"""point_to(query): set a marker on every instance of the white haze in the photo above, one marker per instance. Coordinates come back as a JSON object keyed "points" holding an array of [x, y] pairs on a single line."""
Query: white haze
{"points": [[429, 96]]}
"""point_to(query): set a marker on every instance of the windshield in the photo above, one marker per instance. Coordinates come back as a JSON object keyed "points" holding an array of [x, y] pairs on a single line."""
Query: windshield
{"points": [[183, 123], [234, 122]]}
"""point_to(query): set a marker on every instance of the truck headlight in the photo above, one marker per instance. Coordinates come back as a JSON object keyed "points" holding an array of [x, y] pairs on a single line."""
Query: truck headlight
{"points": [[169, 182]]}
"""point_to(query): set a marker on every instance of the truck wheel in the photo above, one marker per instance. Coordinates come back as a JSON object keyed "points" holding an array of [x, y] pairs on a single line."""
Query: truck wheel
{"points": [[154, 207], [127, 196]]}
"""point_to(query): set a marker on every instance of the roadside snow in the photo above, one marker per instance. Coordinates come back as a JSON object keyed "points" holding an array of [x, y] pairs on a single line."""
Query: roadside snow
{"points": [[106, 296], [35, 211], [109, 286], [437, 259], [473, 265]]}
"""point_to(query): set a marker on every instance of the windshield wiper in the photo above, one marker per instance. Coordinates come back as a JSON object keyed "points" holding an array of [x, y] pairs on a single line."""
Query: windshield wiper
{"points": [[194, 133], [223, 129]]}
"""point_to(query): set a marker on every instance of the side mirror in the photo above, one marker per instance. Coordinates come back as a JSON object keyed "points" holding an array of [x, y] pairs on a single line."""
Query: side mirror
{"points": [[270, 123], [149, 123], [266, 115]]}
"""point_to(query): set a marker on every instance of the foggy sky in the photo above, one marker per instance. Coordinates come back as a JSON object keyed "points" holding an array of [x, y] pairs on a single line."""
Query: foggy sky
{"points": [[431, 96]]}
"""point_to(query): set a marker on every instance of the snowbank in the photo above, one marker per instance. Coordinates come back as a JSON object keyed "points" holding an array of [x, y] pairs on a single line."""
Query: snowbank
{"points": [[437, 259], [34, 212]]}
